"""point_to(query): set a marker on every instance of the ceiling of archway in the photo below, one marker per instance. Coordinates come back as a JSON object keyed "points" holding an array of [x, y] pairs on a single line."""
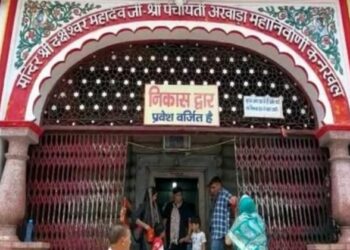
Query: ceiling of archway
{"points": [[107, 88]]}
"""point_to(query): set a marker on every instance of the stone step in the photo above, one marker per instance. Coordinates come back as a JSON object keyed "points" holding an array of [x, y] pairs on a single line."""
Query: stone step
{"points": [[8, 245]]}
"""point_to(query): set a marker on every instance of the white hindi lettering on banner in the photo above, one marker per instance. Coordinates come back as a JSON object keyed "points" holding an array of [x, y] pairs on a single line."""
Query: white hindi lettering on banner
{"points": [[77, 27], [302, 42], [228, 13], [262, 22], [154, 9], [327, 73], [197, 10], [24, 79], [293, 37], [106, 16], [331, 79], [134, 11], [61, 37], [45, 50], [33, 65], [116, 13], [99, 18], [216, 12], [268, 24], [26, 73]]}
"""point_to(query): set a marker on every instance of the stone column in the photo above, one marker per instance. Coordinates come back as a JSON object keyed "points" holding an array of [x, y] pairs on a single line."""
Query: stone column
{"points": [[338, 143], [13, 181]]}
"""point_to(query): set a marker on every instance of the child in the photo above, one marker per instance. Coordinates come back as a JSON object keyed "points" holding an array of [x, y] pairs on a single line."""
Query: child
{"points": [[159, 232], [197, 237]]}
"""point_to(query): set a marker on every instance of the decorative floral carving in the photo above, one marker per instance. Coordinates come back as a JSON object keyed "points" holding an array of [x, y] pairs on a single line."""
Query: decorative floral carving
{"points": [[317, 23], [41, 18]]}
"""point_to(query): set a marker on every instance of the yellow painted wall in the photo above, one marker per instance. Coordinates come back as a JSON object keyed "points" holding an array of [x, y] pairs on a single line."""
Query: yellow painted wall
{"points": [[4, 5]]}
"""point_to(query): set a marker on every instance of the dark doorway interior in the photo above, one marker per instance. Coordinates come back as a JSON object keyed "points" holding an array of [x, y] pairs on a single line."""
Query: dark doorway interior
{"points": [[166, 185]]}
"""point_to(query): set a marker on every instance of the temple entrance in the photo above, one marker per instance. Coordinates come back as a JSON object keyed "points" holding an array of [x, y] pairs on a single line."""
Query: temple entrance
{"points": [[188, 185], [96, 150], [76, 182]]}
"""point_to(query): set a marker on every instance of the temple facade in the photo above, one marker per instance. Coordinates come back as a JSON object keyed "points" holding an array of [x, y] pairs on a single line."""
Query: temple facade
{"points": [[101, 100]]}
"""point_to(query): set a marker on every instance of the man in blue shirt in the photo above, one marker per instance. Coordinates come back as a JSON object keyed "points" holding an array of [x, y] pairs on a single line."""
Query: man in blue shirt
{"points": [[220, 215]]}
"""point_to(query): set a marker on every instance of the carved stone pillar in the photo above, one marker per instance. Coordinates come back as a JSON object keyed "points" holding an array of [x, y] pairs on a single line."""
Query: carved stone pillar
{"points": [[13, 187], [13, 181], [338, 144]]}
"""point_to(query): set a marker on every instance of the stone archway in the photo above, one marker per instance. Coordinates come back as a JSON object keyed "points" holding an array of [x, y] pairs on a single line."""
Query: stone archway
{"points": [[31, 105], [319, 103], [315, 84], [107, 87], [92, 94]]}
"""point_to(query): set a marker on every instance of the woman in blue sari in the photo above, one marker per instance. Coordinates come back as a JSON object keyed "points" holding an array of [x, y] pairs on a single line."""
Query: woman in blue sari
{"points": [[248, 230]]}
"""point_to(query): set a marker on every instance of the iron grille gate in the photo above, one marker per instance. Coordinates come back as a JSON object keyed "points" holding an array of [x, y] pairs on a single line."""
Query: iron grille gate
{"points": [[289, 180], [75, 182]]}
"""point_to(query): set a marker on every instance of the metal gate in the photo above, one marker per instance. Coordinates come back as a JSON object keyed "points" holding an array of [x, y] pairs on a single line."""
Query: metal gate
{"points": [[289, 180], [75, 182]]}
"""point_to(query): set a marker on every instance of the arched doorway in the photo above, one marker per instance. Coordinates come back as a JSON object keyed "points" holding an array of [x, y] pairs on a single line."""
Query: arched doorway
{"points": [[104, 92], [107, 88]]}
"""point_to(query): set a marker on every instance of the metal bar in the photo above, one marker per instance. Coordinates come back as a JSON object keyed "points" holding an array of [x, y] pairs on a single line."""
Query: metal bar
{"points": [[128, 130]]}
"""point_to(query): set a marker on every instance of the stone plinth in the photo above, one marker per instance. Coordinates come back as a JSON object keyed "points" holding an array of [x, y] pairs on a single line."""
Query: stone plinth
{"points": [[329, 247], [24, 246]]}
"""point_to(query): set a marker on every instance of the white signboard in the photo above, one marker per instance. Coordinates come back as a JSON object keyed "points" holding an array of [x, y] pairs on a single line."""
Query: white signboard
{"points": [[263, 106], [189, 105]]}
